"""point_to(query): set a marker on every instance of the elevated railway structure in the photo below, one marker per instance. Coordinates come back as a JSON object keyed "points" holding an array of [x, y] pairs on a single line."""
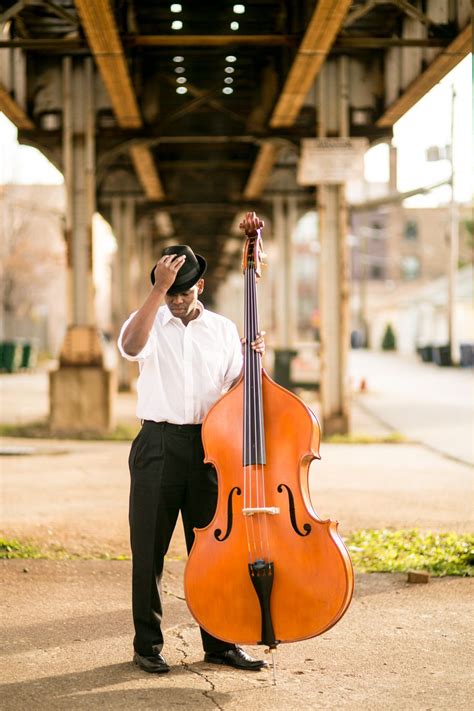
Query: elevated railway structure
{"points": [[171, 119]]}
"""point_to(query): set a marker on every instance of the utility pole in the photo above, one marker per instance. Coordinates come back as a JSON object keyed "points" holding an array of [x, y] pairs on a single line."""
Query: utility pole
{"points": [[363, 276], [453, 245]]}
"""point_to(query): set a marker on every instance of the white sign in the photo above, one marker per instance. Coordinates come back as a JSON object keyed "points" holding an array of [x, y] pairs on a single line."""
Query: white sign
{"points": [[331, 160]]}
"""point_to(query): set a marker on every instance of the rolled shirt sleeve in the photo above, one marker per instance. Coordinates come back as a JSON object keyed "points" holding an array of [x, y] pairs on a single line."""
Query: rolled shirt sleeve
{"points": [[147, 348]]}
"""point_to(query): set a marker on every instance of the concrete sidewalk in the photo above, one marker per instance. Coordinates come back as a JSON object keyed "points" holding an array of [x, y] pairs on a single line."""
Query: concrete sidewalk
{"points": [[67, 627], [67, 624], [68, 633]]}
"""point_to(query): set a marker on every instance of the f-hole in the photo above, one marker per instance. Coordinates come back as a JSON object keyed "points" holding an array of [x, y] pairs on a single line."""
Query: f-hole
{"points": [[230, 516], [291, 507]]}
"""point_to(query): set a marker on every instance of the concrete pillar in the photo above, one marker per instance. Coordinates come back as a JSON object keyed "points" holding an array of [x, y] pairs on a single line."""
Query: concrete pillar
{"points": [[79, 176], [285, 217], [81, 390], [333, 304], [333, 272], [146, 259], [292, 294], [124, 295], [283, 272], [392, 176]]}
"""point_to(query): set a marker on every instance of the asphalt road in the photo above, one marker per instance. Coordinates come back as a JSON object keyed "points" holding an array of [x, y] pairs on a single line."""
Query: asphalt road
{"points": [[423, 401]]}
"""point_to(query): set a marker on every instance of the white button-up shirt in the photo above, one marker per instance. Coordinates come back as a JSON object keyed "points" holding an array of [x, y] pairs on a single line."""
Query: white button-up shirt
{"points": [[185, 369]]}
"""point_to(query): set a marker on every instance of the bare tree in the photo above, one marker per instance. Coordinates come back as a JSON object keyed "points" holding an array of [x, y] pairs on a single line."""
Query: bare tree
{"points": [[31, 258]]}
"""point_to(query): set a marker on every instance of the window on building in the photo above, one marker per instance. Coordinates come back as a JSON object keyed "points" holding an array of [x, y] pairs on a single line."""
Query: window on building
{"points": [[411, 229], [410, 267]]}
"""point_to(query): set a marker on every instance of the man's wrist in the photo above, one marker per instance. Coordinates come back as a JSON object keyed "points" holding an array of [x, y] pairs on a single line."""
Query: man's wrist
{"points": [[159, 291]]}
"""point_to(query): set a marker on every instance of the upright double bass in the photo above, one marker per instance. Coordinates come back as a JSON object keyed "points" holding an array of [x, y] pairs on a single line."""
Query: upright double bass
{"points": [[266, 569]]}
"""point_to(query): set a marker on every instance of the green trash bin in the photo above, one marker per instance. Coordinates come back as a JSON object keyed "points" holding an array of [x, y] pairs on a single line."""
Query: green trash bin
{"points": [[12, 355], [29, 354], [282, 366]]}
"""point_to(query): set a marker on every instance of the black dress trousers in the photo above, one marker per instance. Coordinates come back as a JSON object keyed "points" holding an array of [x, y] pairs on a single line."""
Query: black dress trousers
{"points": [[168, 475]]}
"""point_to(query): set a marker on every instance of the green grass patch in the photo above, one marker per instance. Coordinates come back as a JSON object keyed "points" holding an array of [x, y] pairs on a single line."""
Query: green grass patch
{"points": [[40, 430], [13, 548], [17, 549], [361, 438], [372, 551], [384, 551]]}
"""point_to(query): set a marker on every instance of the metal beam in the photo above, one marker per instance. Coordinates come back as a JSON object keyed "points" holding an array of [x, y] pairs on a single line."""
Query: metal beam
{"points": [[393, 197], [144, 165], [229, 207], [208, 40], [403, 5], [11, 12], [210, 164], [130, 41], [439, 67], [104, 40], [207, 98], [13, 110], [261, 170], [413, 12], [322, 30], [58, 11], [359, 12], [353, 42], [343, 42], [44, 44]]}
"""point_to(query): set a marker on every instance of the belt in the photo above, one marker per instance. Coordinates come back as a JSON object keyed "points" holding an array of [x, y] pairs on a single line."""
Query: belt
{"points": [[171, 427]]}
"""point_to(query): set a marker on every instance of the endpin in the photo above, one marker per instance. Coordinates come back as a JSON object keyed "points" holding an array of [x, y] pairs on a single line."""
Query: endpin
{"points": [[272, 651]]}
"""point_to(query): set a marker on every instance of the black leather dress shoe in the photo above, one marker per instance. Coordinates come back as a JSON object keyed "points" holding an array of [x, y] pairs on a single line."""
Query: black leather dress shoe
{"points": [[154, 664], [236, 658]]}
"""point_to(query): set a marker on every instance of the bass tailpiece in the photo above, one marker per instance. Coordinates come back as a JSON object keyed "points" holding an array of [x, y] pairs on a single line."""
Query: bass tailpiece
{"points": [[261, 574]]}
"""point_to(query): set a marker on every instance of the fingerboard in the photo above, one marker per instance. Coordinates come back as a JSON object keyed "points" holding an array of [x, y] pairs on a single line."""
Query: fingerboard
{"points": [[254, 433]]}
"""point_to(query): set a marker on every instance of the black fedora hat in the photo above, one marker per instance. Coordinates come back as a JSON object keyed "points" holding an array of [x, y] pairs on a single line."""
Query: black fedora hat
{"points": [[192, 270]]}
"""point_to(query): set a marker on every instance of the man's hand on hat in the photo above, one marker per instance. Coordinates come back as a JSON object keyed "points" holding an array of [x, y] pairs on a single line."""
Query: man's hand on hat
{"points": [[166, 270]]}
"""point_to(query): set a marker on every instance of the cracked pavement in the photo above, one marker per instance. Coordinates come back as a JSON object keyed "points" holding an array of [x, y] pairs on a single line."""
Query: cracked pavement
{"points": [[67, 627], [67, 635]]}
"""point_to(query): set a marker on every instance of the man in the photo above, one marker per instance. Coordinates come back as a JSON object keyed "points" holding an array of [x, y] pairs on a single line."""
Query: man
{"points": [[188, 357]]}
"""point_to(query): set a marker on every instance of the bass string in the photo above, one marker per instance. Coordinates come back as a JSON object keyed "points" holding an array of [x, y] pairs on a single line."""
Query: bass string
{"points": [[262, 519], [249, 527], [254, 484], [254, 444]]}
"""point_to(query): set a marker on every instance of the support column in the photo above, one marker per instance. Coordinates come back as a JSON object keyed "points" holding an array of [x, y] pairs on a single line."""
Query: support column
{"points": [[284, 223], [81, 390], [392, 176], [282, 281], [79, 177], [333, 304], [146, 259], [292, 295], [453, 247], [123, 225], [333, 280]]}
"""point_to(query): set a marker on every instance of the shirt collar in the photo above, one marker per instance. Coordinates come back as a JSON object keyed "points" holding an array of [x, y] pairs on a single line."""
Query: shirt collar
{"points": [[168, 316]]}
